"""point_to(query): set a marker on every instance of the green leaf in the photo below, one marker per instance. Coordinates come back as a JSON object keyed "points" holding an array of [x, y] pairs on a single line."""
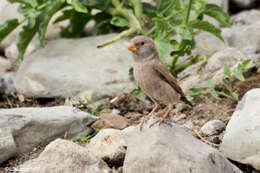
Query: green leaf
{"points": [[51, 8], [206, 26], [102, 23], [29, 13], [194, 93], [185, 32], [66, 14], [217, 13], [139, 93], [239, 75], [119, 21], [211, 84], [235, 95], [214, 94], [8, 27], [32, 3], [227, 70], [99, 4], [163, 47], [149, 10], [76, 25], [25, 36], [78, 6], [162, 4]]}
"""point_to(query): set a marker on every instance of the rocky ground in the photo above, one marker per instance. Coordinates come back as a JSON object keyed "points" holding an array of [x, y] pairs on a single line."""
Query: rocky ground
{"points": [[54, 118]]}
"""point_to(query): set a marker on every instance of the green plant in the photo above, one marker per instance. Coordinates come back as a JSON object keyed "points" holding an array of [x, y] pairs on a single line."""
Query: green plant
{"points": [[230, 77], [162, 21], [85, 104]]}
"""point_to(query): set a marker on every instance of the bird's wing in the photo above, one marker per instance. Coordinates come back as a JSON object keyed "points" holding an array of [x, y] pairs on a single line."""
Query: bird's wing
{"points": [[163, 71]]}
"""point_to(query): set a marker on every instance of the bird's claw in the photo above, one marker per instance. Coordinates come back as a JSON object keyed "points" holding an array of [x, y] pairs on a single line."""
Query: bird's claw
{"points": [[142, 121], [160, 121]]}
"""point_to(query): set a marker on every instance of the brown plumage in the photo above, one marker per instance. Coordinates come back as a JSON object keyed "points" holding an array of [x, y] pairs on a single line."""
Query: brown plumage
{"points": [[153, 77]]}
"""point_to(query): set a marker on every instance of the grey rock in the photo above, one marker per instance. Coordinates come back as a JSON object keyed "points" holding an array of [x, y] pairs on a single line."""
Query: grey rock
{"points": [[63, 70], [243, 36], [213, 69], [7, 144], [213, 127], [110, 145], [4, 64], [246, 17], [253, 53], [241, 139], [244, 3], [237, 37], [33, 126], [66, 157], [7, 86], [168, 149]]}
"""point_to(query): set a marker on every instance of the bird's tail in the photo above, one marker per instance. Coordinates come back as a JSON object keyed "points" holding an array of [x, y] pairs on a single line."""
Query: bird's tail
{"points": [[184, 99]]}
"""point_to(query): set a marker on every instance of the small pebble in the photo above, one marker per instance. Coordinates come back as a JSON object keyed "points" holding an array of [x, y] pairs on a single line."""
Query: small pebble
{"points": [[213, 127]]}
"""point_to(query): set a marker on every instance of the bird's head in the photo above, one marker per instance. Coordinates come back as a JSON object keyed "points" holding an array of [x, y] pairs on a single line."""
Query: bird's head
{"points": [[143, 48]]}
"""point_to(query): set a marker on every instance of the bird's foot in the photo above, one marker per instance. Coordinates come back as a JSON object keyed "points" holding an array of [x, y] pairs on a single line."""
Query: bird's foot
{"points": [[160, 121], [142, 121]]}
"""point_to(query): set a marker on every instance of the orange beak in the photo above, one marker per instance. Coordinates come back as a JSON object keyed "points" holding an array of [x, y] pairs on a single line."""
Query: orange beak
{"points": [[132, 48]]}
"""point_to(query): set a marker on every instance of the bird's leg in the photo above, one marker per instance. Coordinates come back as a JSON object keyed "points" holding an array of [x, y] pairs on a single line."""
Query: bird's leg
{"points": [[147, 117], [160, 120]]}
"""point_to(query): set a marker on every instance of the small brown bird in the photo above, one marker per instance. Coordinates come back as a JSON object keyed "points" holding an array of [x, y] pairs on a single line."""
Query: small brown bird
{"points": [[153, 77]]}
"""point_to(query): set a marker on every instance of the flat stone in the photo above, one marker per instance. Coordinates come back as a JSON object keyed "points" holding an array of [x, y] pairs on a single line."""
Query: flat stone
{"points": [[33, 126], [62, 70]]}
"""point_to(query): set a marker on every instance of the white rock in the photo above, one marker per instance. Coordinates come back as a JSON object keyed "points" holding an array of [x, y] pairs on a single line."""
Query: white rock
{"points": [[168, 149], [213, 69], [62, 156], [4, 64], [110, 145], [246, 17], [33, 126], [213, 127], [7, 144], [68, 67], [241, 141]]}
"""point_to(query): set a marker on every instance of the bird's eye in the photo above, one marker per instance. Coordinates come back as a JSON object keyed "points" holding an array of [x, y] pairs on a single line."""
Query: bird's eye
{"points": [[142, 43]]}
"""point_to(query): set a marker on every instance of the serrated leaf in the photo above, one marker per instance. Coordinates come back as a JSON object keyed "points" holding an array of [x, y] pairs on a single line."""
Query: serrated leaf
{"points": [[7, 27], [119, 21], [78, 6], [51, 8], [32, 3], [239, 75], [206, 26], [227, 70], [163, 47], [217, 13]]}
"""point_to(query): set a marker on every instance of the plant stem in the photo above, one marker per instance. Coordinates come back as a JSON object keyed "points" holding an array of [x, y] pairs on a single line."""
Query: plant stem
{"points": [[135, 26], [138, 9], [186, 64], [188, 12], [174, 61]]}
